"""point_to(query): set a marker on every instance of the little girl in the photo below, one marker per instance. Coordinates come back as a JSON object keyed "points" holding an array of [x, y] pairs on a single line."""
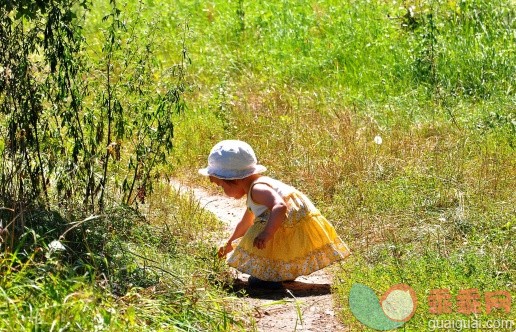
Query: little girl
{"points": [[283, 235]]}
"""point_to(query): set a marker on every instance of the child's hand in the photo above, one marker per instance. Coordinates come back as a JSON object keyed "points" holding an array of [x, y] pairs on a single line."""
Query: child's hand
{"points": [[224, 250], [262, 239]]}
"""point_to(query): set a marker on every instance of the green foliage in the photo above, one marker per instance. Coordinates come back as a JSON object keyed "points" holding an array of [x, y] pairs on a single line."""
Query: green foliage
{"points": [[309, 85], [23, 89], [138, 103], [362, 50], [460, 271], [79, 128], [463, 47], [140, 274]]}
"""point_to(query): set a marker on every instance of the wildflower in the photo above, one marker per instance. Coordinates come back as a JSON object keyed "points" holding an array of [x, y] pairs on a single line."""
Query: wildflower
{"points": [[56, 246], [378, 139]]}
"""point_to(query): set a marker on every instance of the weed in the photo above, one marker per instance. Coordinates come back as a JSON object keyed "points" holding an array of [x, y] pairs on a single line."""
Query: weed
{"points": [[309, 86]]}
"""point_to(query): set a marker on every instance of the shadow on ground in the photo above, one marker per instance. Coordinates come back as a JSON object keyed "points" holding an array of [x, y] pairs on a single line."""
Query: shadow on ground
{"points": [[290, 289]]}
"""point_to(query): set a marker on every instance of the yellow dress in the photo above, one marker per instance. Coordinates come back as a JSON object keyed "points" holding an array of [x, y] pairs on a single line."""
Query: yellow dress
{"points": [[304, 243]]}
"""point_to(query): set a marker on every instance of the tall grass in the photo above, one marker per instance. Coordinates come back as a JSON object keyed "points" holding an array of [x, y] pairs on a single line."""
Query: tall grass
{"points": [[308, 84], [155, 271]]}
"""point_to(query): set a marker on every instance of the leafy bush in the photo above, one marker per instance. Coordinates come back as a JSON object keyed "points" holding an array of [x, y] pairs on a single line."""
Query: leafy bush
{"points": [[79, 128]]}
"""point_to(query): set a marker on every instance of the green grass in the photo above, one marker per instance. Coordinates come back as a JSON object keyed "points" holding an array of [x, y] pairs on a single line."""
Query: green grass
{"points": [[309, 85], [155, 271], [432, 270]]}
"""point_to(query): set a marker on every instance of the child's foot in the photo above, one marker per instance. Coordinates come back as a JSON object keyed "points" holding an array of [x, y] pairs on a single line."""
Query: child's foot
{"points": [[254, 282]]}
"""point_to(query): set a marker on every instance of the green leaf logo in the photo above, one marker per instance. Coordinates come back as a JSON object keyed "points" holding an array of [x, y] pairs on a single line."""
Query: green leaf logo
{"points": [[395, 307]]}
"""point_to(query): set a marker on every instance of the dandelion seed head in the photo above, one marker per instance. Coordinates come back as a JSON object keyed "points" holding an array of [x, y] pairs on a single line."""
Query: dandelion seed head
{"points": [[56, 246]]}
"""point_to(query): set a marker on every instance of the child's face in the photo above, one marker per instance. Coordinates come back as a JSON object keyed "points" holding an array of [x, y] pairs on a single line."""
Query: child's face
{"points": [[231, 188]]}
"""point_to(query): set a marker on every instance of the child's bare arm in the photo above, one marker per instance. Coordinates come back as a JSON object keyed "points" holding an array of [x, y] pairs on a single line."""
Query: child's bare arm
{"points": [[265, 195], [240, 229], [242, 226]]}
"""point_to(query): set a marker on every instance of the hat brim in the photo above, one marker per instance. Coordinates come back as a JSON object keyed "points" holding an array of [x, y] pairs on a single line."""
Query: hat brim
{"points": [[229, 175]]}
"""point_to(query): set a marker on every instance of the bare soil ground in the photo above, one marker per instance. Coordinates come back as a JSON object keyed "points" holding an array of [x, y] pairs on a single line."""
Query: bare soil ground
{"points": [[305, 304]]}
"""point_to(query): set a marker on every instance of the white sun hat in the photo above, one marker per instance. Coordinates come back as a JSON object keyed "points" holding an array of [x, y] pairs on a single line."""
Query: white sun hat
{"points": [[231, 160]]}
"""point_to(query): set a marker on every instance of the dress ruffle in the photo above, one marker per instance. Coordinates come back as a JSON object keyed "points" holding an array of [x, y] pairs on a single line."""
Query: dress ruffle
{"points": [[294, 251]]}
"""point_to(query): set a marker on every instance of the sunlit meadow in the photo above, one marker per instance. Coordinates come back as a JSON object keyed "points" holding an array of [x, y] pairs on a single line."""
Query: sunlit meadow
{"points": [[397, 118]]}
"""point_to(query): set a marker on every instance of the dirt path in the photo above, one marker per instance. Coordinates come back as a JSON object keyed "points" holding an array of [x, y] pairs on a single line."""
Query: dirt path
{"points": [[304, 305]]}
